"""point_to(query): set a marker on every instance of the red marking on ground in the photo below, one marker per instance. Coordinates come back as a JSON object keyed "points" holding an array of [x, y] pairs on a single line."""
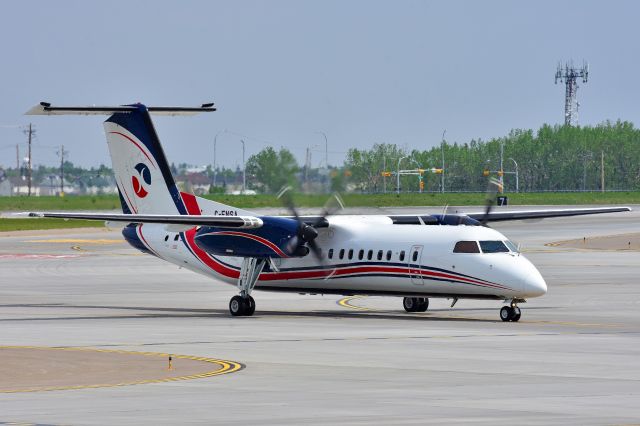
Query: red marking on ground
{"points": [[38, 256]]}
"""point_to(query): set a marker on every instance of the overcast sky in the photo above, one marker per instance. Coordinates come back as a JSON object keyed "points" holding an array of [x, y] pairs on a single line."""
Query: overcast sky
{"points": [[280, 71]]}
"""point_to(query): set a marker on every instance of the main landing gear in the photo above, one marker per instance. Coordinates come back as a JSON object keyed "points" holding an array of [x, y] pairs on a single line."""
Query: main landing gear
{"points": [[415, 304], [511, 312], [243, 304]]}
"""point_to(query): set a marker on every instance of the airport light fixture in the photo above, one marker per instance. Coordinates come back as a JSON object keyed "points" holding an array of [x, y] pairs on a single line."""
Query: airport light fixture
{"points": [[398, 175]]}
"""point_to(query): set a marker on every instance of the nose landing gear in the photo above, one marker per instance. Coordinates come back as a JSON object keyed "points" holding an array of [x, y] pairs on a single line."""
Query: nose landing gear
{"points": [[510, 313]]}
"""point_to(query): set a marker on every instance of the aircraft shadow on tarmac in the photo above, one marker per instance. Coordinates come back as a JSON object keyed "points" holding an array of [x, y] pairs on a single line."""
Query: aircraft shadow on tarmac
{"points": [[160, 312]]}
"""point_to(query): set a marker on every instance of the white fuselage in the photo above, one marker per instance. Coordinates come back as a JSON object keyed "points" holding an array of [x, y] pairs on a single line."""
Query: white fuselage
{"points": [[370, 255]]}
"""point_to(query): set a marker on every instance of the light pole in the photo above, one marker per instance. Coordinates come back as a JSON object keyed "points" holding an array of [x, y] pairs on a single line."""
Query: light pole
{"points": [[307, 165], [244, 170], [442, 151], [517, 183], [419, 175], [398, 175], [501, 167], [384, 176], [326, 156], [215, 144]]}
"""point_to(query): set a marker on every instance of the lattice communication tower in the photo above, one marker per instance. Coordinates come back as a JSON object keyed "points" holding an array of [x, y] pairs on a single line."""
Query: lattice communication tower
{"points": [[568, 74]]}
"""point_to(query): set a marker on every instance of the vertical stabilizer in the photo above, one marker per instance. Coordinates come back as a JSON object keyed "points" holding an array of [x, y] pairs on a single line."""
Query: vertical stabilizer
{"points": [[140, 166]]}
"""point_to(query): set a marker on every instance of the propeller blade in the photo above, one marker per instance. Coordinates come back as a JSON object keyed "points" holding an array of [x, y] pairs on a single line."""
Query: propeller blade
{"points": [[285, 195], [490, 201], [317, 252], [331, 207]]}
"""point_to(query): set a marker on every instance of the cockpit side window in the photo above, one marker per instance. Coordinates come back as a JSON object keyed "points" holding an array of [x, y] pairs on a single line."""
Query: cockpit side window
{"points": [[466, 247], [493, 247]]}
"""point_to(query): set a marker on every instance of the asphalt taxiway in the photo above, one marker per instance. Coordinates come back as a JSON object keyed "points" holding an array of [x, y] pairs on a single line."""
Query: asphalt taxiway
{"points": [[572, 358]]}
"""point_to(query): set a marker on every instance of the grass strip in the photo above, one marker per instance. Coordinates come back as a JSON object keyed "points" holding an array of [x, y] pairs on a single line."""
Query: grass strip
{"points": [[46, 223]]}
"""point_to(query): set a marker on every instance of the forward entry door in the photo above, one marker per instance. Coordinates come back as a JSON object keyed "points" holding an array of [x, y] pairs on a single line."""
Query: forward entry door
{"points": [[415, 255]]}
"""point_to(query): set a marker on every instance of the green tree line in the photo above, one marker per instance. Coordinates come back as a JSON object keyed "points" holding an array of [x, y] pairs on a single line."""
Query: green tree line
{"points": [[555, 158]]}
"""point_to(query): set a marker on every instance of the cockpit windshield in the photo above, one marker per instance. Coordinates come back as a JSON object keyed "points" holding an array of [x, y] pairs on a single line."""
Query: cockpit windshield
{"points": [[486, 246], [493, 247], [466, 247], [512, 246]]}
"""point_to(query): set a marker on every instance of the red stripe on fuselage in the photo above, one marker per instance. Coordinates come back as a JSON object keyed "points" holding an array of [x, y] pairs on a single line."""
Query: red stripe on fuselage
{"points": [[348, 270], [206, 259]]}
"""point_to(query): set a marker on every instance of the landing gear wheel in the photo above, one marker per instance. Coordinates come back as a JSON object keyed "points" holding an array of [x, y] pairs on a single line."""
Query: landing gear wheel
{"points": [[251, 306], [516, 314], [506, 313], [238, 306], [423, 304], [410, 304], [510, 313]]}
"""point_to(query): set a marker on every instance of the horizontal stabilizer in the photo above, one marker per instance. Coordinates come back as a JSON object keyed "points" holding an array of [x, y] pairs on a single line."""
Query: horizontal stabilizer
{"points": [[238, 222], [45, 108]]}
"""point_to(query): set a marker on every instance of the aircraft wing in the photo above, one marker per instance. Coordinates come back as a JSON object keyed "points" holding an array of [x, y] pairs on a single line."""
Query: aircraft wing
{"points": [[496, 216], [244, 222]]}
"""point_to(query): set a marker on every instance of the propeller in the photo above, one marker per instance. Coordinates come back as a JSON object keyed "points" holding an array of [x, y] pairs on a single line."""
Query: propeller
{"points": [[490, 200], [304, 240]]}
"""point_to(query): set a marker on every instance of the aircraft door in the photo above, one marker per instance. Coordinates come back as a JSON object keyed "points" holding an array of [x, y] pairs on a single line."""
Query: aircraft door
{"points": [[415, 254]]}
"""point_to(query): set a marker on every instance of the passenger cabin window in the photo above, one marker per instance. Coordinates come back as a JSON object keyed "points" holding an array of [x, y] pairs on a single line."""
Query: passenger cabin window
{"points": [[493, 247], [401, 255], [360, 254], [466, 247], [350, 254], [379, 254], [370, 255], [176, 237], [166, 238], [341, 253], [415, 256], [388, 255], [330, 253]]}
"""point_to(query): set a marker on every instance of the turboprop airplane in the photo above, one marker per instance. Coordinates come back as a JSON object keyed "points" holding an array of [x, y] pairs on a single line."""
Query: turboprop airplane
{"points": [[417, 257]]}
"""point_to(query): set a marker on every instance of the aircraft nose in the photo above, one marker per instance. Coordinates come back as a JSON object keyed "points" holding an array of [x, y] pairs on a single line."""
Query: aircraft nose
{"points": [[534, 285]]}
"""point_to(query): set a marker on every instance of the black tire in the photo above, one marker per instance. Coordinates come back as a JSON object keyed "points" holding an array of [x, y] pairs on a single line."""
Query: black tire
{"points": [[423, 304], [237, 306], [251, 306], [410, 304], [506, 313], [516, 314]]}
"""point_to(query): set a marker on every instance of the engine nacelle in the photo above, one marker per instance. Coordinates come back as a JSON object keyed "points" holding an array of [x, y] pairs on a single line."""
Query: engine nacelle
{"points": [[277, 238]]}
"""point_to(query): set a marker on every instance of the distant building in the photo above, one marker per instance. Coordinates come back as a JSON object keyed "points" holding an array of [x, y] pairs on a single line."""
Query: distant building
{"points": [[196, 183], [5, 188]]}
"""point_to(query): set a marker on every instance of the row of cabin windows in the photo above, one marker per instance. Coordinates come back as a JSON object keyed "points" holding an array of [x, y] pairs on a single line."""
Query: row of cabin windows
{"points": [[166, 238], [369, 255]]}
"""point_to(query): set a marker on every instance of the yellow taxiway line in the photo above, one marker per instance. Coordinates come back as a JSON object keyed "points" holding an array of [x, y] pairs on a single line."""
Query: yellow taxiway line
{"points": [[226, 367], [77, 241], [346, 302]]}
